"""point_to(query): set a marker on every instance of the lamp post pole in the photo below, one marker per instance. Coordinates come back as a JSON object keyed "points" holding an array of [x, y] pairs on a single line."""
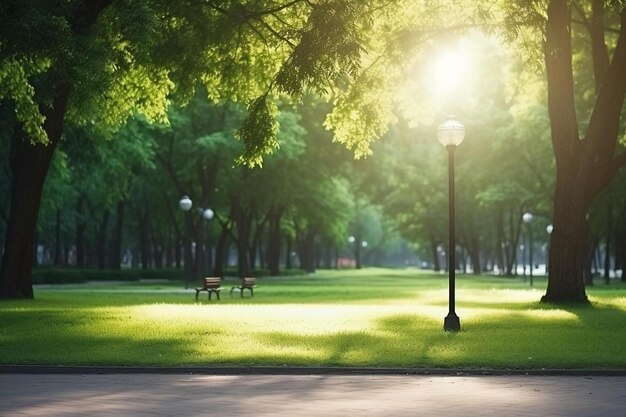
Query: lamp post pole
{"points": [[549, 230], [364, 246], [523, 248], [528, 218], [450, 134], [185, 204], [352, 242], [452, 321], [208, 214]]}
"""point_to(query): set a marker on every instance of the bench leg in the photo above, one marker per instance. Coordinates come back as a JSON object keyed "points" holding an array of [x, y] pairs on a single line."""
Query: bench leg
{"points": [[197, 292], [218, 294], [231, 291], [209, 294], [251, 292]]}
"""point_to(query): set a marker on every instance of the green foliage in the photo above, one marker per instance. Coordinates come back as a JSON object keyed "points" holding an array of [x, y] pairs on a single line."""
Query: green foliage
{"points": [[14, 85], [362, 114], [258, 131], [330, 45]]}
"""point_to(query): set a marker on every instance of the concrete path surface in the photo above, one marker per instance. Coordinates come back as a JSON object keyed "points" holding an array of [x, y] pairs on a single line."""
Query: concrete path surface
{"points": [[138, 395]]}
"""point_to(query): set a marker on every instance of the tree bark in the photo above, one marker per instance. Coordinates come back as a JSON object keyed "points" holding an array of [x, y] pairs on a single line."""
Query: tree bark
{"points": [[288, 264], [58, 256], [583, 168], [307, 251], [499, 249], [220, 251], [609, 240], [568, 244], [273, 240], [29, 166], [357, 252], [115, 252], [170, 248], [435, 253], [144, 239], [80, 234], [243, 221], [101, 240]]}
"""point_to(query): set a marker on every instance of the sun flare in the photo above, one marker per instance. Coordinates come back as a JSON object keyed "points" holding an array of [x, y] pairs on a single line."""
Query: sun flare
{"points": [[450, 70]]}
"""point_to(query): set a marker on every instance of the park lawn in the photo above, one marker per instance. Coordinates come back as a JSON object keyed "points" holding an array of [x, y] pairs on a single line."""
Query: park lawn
{"points": [[372, 317]]}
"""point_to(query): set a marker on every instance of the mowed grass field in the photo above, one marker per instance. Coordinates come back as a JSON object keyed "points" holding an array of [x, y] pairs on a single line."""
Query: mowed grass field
{"points": [[372, 317]]}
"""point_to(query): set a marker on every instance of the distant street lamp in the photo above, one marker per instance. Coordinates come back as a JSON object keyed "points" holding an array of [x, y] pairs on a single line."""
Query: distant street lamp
{"points": [[528, 218], [450, 134], [208, 214], [523, 249], [355, 248], [364, 246], [549, 230], [185, 205]]}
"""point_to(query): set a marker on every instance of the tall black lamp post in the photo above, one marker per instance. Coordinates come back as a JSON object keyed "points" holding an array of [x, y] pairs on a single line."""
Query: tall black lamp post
{"points": [[528, 218], [185, 204], [450, 134]]}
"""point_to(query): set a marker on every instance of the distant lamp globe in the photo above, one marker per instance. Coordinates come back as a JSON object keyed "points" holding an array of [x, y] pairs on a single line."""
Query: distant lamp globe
{"points": [[527, 217], [208, 214], [185, 203]]}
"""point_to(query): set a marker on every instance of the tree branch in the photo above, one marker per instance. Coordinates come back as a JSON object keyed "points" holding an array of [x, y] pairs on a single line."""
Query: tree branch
{"points": [[603, 131], [561, 106]]}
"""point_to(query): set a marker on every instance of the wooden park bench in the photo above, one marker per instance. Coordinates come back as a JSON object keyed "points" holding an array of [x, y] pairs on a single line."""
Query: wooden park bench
{"points": [[247, 283], [211, 285]]}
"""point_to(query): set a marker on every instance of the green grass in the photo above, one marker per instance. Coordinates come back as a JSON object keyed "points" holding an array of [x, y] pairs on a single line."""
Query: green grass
{"points": [[374, 317]]}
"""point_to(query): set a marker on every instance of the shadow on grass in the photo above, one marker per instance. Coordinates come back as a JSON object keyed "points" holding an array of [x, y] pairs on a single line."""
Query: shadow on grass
{"points": [[503, 335], [556, 337]]}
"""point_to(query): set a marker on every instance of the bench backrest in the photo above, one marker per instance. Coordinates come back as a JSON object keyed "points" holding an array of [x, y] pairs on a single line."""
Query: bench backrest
{"points": [[248, 282], [212, 282]]}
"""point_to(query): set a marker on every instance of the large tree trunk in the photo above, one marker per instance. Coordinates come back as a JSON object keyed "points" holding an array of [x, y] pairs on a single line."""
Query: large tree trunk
{"points": [[220, 251], [169, 249], [500, 244], [609, 241], [288, 264], [80, 234], [29, 167], [144, 238], [357, 252], [273, 240], [200, 260], [435, 253], [101, 239], [243, 221], [58, 256], [115, 253], [583, 167], [307, 251], [568, 245]]}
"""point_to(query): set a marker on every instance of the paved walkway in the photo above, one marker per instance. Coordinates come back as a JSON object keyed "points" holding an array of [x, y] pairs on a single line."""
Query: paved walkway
{"points": [[310, 395]]}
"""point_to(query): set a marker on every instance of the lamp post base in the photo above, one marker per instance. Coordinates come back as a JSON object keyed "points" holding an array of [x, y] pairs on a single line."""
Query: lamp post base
{"points": [[452, 323]]}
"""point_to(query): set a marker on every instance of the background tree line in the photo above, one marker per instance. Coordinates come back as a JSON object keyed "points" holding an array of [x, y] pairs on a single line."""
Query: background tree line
{"points": [[79, 72]]}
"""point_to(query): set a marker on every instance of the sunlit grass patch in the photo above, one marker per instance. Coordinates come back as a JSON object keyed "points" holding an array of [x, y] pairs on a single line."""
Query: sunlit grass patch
{"points": [[331, 318]]}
